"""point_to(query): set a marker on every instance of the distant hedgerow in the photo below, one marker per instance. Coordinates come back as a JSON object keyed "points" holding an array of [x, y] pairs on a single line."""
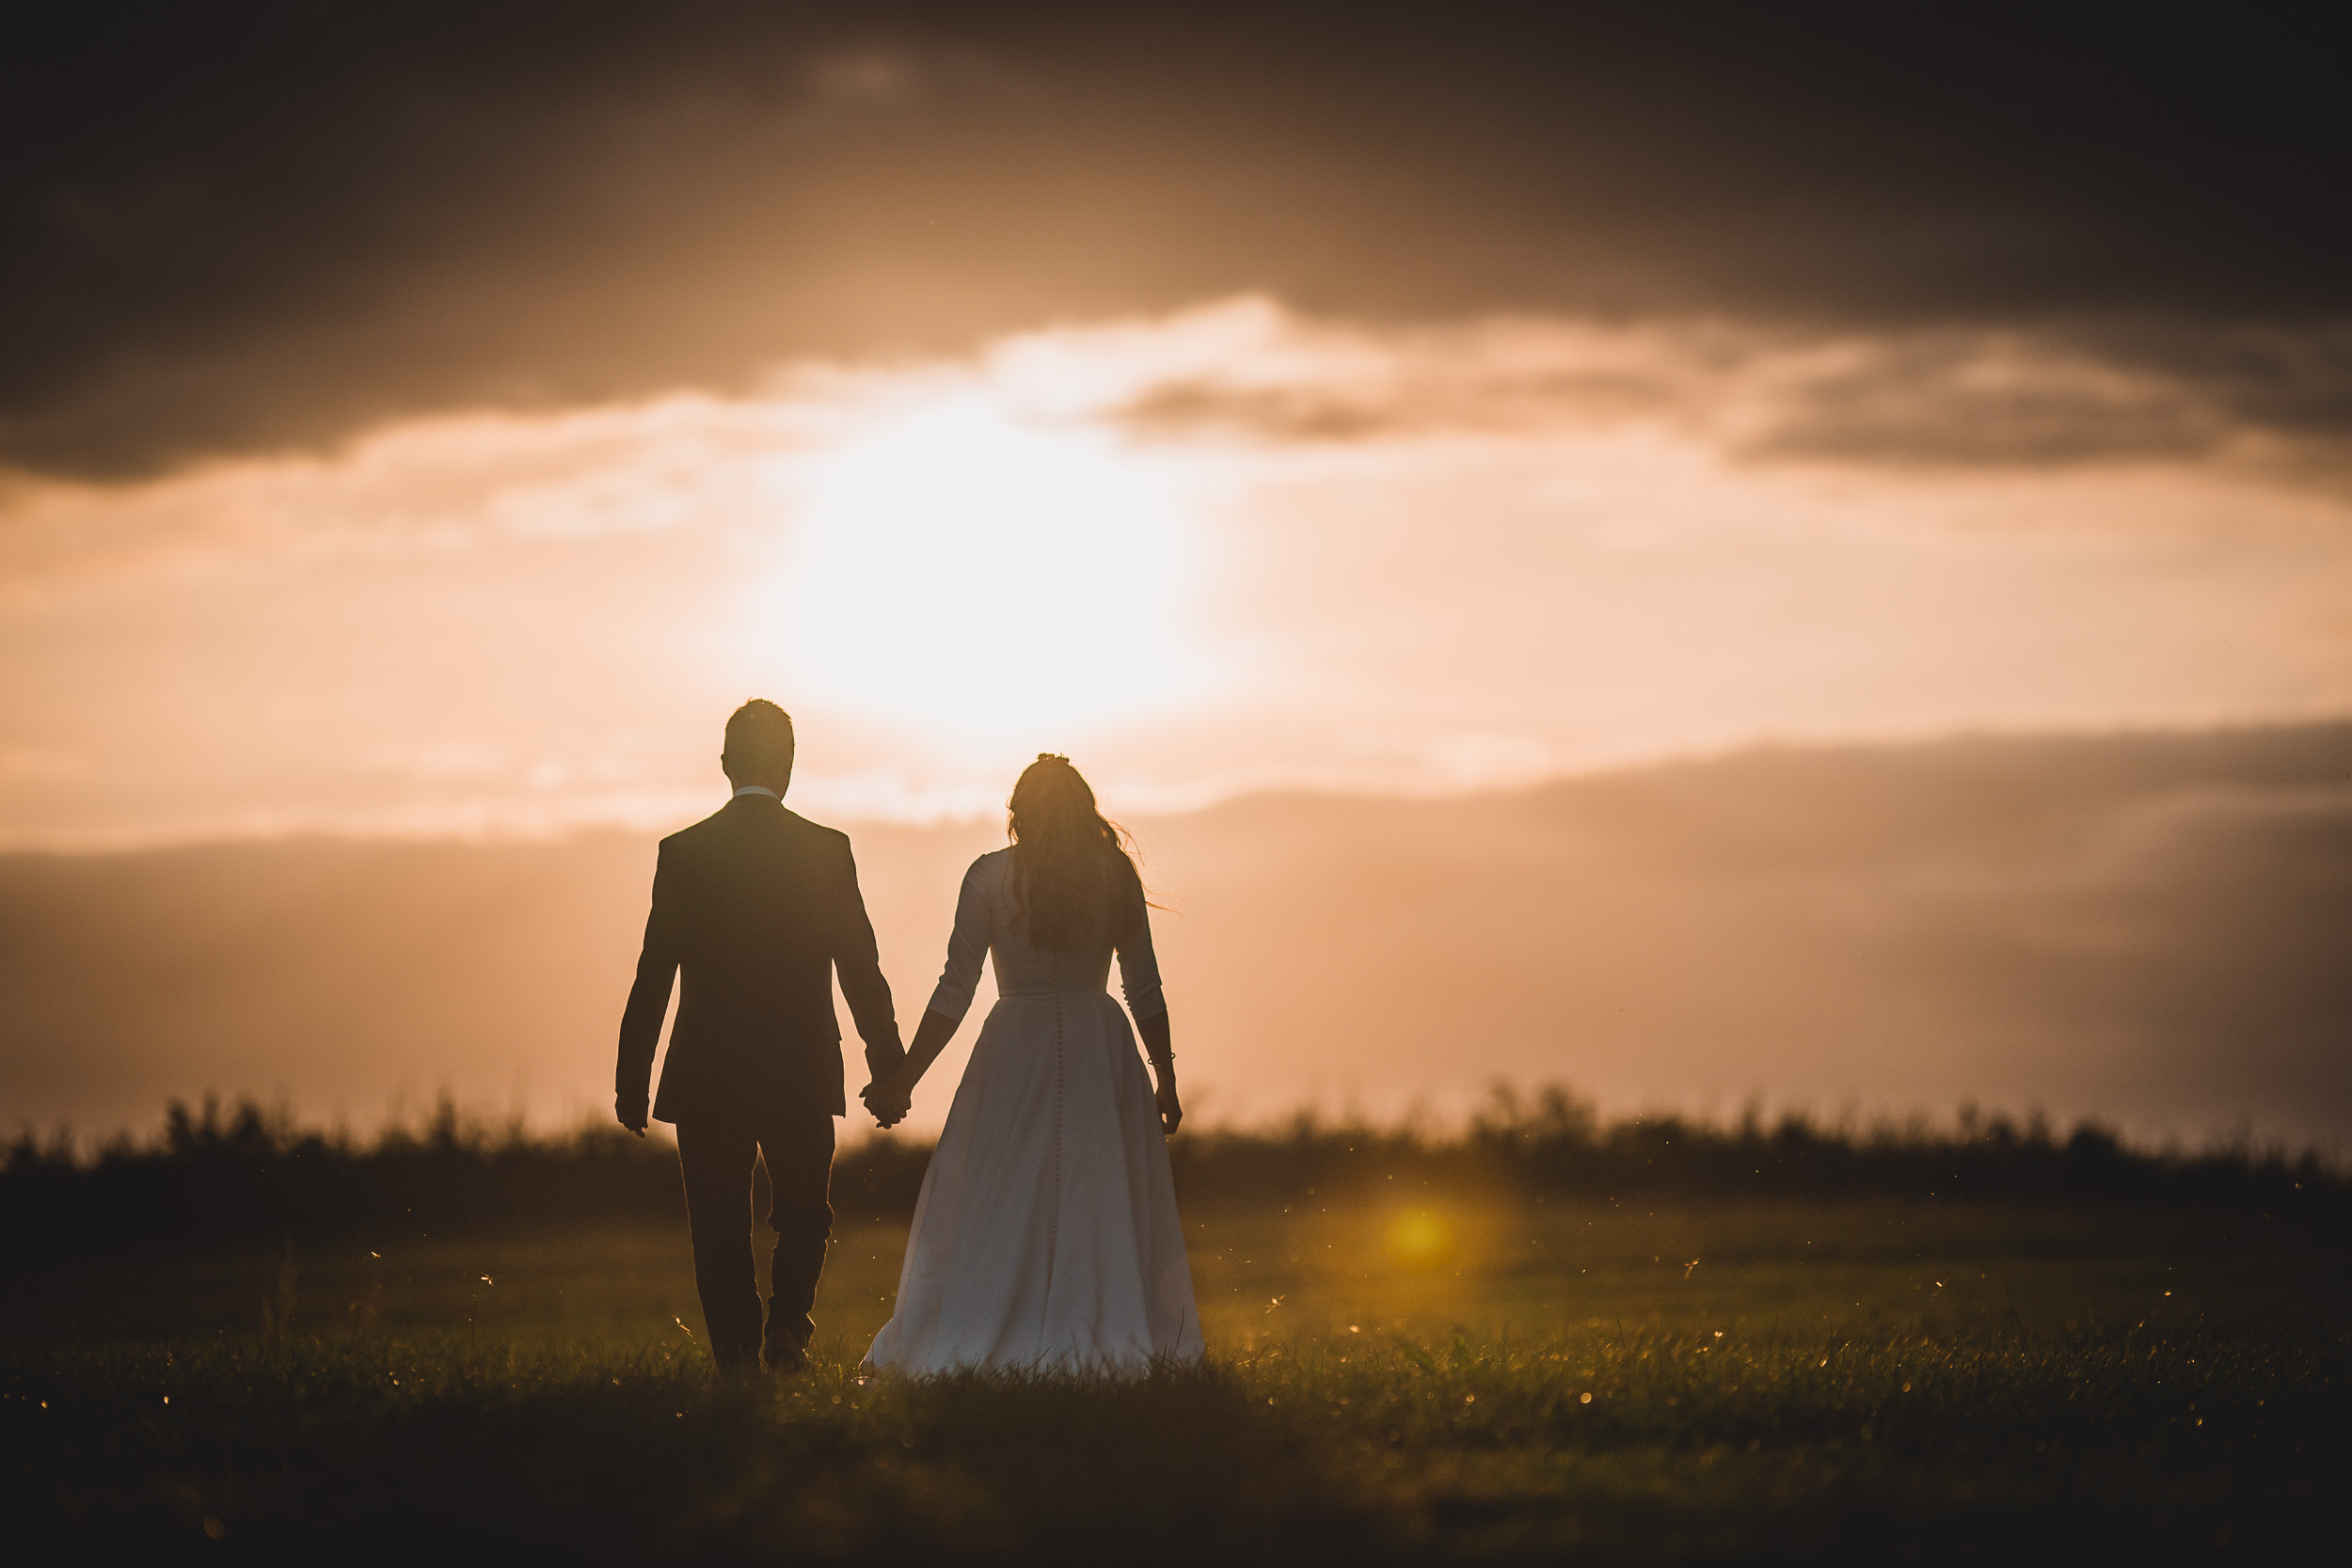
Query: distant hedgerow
{"points": [[253, 1175]]}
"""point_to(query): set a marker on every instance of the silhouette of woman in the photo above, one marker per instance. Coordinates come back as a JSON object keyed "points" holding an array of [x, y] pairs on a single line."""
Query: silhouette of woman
{"points": [[1046, 1237]]}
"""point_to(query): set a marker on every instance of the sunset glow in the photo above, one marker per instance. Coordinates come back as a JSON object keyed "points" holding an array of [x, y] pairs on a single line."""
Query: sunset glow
{"points": [[1224, 549], [985, 579]]}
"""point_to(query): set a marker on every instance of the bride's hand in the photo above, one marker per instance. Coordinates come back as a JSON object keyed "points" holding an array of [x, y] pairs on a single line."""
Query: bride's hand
{"points": [[1171, 1111], [888, 1100]]}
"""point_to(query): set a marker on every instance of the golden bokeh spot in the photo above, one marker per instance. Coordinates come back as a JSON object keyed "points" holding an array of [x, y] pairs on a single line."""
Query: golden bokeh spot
{"points": [[1421, 1238]]}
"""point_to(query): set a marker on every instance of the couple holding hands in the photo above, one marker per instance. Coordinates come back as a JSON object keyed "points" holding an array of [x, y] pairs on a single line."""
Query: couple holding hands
{"points": [[1046, 1237]]}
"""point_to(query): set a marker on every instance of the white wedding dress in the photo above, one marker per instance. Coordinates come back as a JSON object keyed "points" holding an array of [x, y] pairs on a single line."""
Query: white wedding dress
{"points": [[1046, 1236]]}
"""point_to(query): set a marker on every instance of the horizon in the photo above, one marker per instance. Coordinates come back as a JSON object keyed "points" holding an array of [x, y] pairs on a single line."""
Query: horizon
{"points": [[1418, 1125]]}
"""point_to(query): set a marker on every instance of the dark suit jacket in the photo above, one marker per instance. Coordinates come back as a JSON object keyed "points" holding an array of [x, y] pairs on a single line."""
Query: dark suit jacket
{"points": [[756, 907]]}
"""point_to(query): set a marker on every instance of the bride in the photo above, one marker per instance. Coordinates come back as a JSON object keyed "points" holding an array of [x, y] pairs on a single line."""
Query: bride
{"points": [[1046, 1236]]}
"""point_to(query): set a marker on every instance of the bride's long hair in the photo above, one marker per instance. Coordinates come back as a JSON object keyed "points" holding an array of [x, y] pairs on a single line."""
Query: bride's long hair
{"points": [[1074, 872]]}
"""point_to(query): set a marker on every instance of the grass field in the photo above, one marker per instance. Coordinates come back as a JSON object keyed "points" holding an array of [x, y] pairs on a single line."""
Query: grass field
{"points": [[1472, 1378]]}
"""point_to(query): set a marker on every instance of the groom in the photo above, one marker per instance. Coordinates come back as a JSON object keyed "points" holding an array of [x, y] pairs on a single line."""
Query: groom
{"points": [[758, 907]]}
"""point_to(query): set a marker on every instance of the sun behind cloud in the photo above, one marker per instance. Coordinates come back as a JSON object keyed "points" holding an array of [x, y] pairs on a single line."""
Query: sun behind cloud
{"points": [[958, 568]]}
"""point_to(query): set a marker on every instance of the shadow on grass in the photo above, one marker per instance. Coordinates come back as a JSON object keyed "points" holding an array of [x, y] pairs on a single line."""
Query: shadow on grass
{"points": [[390, 1452], [1646, 1448]]}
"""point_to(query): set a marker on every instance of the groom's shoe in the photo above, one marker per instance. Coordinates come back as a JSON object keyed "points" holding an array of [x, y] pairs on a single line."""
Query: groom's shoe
{"points": [[781, 1349]]}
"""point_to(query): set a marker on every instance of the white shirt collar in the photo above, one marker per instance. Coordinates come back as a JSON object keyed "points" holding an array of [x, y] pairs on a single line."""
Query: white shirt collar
{"points": [[741, 790]]}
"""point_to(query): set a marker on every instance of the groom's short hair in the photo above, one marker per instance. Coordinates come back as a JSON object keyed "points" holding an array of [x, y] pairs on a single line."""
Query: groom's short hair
{"points": [[759, 739]]}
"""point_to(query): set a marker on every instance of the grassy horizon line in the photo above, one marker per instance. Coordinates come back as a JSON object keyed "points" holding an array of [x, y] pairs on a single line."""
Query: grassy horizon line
{"points": [[250, 1175], [1550, 1113]]}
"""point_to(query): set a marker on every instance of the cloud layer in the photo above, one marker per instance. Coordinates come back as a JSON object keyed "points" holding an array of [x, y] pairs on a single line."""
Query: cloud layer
{"points": [[2258, 400], [1224, 549], [262, 226]]}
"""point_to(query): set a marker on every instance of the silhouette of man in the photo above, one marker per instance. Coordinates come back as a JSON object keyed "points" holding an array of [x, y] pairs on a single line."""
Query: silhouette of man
{"points": [[757, 907]]}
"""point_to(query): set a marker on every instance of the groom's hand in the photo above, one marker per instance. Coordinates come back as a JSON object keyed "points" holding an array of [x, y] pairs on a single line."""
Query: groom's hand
{"points": [[886, 1103], [631, 1116]]}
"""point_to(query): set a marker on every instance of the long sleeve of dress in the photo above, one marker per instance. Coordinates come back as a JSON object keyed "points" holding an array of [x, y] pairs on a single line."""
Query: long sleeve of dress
{"points": [[1140, 970], [649, 997], [967, 947]]}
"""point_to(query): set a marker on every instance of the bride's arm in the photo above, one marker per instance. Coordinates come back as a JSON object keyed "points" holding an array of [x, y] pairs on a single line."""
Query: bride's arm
{"points": [[931, 1038], [1153, 1028], [1139, 978], [889, 1097]]}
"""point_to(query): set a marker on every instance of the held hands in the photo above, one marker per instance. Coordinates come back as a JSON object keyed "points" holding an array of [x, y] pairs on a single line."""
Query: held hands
{"points": [[888, 1099], [891, 1093], [631, 1116]]}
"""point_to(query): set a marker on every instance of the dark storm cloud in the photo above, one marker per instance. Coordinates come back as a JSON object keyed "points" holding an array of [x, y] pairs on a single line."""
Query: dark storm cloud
{"points": [[247, 225]]}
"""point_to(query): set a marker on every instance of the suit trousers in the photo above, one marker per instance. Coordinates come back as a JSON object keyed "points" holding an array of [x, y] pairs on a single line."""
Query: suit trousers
{"points": [[716, 1155]]}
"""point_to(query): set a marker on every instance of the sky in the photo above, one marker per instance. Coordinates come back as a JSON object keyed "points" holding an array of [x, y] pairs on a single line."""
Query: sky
{"points": [[265, 225], [1228, 548], [429, 420]]}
